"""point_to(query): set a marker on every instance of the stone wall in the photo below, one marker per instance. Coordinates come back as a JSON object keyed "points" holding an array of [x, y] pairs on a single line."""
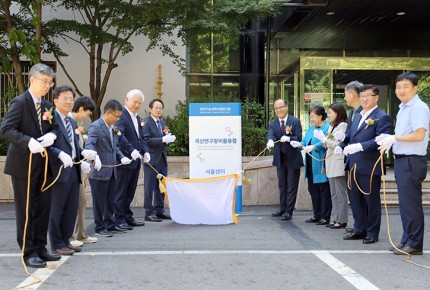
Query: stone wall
{"points": [[263, 189]]}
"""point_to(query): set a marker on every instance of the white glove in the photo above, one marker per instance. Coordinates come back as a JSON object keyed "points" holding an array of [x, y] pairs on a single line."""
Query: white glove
{"points": [[169, 138], [89, 154], [66, 159], [34, 146], [381, 137], [296, 144], [320, 135], [47, 139], [340, 136], [97, 163], [338, 150], [135, 154], [352, 149], [285, 139], [146, 157], [308, 148], [387, 142], [270, 144], [125, 161], [85, 167]]}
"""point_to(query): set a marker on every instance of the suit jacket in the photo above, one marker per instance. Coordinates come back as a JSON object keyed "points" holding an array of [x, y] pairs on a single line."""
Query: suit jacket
{"points": [[366, 159], [99, 139], [335, 165], [293, 156], [20, 125], [129, 140], [317, 166], [153, 138], [62, 144]]}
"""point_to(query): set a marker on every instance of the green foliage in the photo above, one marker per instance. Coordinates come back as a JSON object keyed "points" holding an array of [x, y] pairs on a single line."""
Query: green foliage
{"points": [[4, 145], [253, 114], [253, 140], [178, 126]]}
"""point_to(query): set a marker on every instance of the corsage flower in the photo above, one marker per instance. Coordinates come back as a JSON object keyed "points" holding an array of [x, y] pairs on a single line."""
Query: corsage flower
{"points": [[370, 122], [142, 123], [116, 131], [82, 131], [330, 136], [47, 115], [288, 130], [165, 130]]}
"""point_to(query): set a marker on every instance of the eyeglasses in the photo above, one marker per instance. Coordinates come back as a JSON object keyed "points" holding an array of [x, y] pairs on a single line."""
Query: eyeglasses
{"points": [[279, 108], [45, 82], [68, 99], [114, 115], [367, 96]]}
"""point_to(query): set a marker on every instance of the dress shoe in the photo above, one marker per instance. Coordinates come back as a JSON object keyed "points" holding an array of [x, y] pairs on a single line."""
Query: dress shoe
{"points": [[349, 230], [64, 251], [311, 220], [338, 226], [117, 230], [409, 250], [48, 257], [354, 236], [88, 240], [76, 243], [35, 262], [76, 249], [370, 240], [135, 223], [278, 213], [322, 222], [399, 246], [286, 217], [152, 218], [163, 216], [103, 233], [125, 227], [332, 223]]}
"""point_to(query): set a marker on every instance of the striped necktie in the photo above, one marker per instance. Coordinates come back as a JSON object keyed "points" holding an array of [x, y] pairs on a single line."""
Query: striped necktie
{"points": [[69, 129], [159, 126], [39, 113]]}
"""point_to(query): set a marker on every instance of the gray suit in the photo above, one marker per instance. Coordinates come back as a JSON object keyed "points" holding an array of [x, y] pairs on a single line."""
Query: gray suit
{"points": [[103, 182]]}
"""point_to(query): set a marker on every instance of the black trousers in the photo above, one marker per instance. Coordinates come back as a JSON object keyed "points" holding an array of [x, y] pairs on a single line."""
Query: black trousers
{"points": [[38, 213]]}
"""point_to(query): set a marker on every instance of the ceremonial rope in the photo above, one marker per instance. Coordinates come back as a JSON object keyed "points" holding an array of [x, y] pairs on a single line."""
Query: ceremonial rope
{"points": [[408, 256]]}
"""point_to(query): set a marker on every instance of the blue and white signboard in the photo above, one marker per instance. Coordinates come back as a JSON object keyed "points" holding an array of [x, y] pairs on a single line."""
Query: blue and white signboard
{"points": [[216, 142]]}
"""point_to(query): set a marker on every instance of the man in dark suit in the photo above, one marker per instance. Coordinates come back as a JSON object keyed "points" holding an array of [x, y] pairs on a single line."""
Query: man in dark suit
{"points": [[103, 138], [65, 151], [133, 146], [287, 159], [157, 137], [30, 118], [362, 154]]}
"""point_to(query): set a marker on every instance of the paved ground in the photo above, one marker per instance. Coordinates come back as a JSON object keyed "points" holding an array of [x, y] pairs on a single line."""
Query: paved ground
{"points": [[260, 252]]}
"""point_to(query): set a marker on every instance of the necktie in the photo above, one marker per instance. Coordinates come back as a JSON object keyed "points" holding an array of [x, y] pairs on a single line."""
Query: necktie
{"points": [[282, 134], [39, 113], [159, 126], [69, 129]]}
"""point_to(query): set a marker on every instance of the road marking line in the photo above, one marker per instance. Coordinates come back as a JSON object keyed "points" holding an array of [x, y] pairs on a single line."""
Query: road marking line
{"points": [[42, 273], [216, 252], [347, 273]]}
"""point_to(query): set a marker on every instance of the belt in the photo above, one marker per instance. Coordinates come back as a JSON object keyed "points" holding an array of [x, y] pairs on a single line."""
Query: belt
{"points": [[399, 156]]}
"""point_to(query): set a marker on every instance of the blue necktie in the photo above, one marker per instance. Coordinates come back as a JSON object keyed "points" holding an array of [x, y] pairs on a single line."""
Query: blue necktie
{"points": [[159, 126]]}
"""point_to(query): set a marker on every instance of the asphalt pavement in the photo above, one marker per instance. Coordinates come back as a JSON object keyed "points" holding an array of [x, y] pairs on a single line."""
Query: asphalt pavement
{"points": [[260, 252]]}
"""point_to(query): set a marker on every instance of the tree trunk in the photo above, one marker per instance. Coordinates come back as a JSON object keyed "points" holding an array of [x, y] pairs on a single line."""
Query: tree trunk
{"points": [[16, 63]]}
